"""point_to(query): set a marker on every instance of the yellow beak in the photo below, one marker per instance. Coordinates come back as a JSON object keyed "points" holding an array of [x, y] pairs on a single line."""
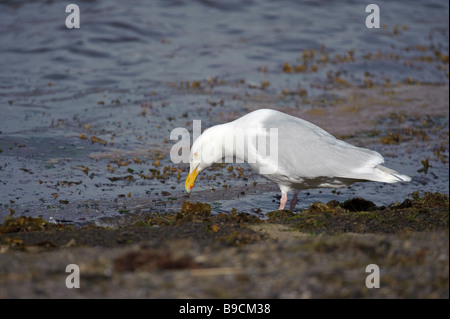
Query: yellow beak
{"points": [[190, 180]]}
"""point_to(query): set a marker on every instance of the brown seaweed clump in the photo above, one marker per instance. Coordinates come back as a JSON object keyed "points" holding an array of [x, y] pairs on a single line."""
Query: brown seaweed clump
{"points": [[27, 224], [197, 208]]}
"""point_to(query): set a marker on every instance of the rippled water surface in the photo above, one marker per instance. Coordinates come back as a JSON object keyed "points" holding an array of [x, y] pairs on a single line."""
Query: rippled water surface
{"points": [[86, 114]]}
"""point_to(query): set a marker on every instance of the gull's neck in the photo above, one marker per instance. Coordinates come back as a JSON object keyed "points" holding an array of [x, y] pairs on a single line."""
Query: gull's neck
{"points": [[218, 143]]}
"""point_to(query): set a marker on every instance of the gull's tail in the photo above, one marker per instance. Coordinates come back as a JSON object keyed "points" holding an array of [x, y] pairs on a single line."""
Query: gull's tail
{"points": [[387, 175]]}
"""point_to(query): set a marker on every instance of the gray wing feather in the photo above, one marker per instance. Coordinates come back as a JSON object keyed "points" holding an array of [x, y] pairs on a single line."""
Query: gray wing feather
{"points": [[307, 151]]}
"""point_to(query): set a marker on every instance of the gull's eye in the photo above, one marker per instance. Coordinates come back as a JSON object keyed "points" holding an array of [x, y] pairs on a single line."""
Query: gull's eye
{"points": [[196, 154]]}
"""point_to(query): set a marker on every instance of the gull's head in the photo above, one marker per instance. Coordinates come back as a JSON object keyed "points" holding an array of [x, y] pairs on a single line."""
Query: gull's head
{"points": [[206, 150], [196, 164]]}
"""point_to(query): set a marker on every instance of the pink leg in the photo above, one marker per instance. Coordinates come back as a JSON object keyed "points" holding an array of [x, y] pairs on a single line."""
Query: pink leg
{"points": [[293, 201], [283, 201]]}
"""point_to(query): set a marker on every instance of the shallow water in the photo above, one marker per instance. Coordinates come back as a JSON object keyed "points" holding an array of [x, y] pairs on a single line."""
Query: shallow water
{"points": [[135, 71]]}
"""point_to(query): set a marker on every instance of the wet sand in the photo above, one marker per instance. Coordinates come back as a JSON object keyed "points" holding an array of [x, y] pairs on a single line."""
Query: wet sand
{"points": [[319, 253]]}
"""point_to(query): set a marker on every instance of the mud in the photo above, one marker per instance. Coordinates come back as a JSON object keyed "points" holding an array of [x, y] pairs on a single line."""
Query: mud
{"points": [[320, 252]]}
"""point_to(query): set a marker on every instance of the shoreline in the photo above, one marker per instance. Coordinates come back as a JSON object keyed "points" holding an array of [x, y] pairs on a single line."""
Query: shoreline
{"points": [[320, 252]]}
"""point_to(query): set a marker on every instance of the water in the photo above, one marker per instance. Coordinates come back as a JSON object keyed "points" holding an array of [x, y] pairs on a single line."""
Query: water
{"points": [[137, 69]]}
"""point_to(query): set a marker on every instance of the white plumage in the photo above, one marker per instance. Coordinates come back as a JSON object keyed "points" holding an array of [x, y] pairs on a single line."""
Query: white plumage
{"points": [[304, 156]]}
